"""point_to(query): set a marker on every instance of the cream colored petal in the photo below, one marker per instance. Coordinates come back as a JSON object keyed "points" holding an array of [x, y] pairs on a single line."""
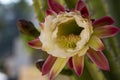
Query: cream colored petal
{"points": [[83, 50], [78, 64], [96, 43], [57, 67], [49, 34], [36, 43], [86, 33]]}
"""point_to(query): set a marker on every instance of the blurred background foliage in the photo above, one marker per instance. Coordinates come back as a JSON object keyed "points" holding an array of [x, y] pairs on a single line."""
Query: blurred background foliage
{"points": [[23, 9], [9, 14]]}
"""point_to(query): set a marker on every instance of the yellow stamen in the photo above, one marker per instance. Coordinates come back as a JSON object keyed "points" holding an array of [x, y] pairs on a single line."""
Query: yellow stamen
{"points": [[68, 41]]}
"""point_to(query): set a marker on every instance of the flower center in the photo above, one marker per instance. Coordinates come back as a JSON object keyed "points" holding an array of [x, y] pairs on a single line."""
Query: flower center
{"points": [[68, 34]]}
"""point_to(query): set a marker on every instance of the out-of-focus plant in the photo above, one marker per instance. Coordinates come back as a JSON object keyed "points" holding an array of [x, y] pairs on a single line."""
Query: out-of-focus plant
{"points": [[112, 45], [67, 35]]}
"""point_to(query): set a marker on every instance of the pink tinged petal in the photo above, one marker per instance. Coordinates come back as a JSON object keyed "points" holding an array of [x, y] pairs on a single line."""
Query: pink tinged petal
{"points": [[85, 12], [78, 64], [80, 5], [82, 8], [103, 21], [83, 50], [36, 43], [48, 64], [49, 12], [55, 6], [57, 67], [106, 31], [99, 59], [96, 44], [70, 63]]}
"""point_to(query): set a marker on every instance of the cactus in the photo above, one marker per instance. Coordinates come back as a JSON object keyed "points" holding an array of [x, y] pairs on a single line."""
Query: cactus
{"points": [[98, 9]]}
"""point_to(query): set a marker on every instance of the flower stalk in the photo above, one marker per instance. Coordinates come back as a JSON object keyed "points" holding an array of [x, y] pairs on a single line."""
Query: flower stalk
{"points": [[39, 10]]}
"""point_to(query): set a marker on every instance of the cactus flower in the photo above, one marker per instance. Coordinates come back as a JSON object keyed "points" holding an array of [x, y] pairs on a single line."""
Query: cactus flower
{"points": [[70, 35]]}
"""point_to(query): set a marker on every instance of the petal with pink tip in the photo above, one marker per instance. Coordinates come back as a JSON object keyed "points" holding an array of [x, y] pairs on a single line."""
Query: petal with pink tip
{"points": [[36, 43], [84, 12], [103, 21], [55, 6], [80, 5], [98, 58], [96, 43], [82, 8], [57, 67], [78, 64], [49, 12], [106, 31], [48, 64], [70, 63]]}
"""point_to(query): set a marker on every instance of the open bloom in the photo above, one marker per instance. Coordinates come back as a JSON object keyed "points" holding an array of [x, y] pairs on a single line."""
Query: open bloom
{"points": [[67, 36]]}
